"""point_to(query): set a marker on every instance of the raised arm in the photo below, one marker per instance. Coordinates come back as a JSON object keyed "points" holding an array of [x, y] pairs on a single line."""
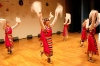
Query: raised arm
{"points": [[84, 22], [3, 22], [98, 20], [55, 19], [94, 16], [58, 10], [17, 23], [65, 20], [87, 23], [50, 16], [96, 24], [41, 20], [69, 19]]}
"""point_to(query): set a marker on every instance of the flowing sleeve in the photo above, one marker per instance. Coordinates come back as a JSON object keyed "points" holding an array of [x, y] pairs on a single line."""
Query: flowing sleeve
{"points": [[3, 22]]}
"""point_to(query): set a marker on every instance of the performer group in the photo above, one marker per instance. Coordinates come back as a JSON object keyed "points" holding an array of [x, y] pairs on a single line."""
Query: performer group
{"points": [[88, 31]]}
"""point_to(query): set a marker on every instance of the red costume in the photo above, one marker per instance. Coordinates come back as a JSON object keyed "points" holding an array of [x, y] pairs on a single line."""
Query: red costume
{"points": [[84, 34], [92, 45], [65, 29], [8, 37], [46, 39]]}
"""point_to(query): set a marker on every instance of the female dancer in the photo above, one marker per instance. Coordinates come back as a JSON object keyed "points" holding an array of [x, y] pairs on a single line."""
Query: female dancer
{"points": [[46, 28], [8, 34], [66, 23], [84, 32], [92, 45], [41, 34]]}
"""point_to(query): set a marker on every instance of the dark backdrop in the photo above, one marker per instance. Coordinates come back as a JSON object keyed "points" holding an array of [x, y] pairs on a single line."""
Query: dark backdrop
{"points": [[97, 7], [80, 10]]}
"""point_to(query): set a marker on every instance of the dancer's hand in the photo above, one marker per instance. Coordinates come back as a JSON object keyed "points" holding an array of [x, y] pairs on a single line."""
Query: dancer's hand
{"points": [[50, 15], [18, 20]]}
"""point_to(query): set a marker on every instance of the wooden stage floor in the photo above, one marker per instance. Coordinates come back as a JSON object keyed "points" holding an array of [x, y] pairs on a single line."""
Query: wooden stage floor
{"points": [[66, 53]]}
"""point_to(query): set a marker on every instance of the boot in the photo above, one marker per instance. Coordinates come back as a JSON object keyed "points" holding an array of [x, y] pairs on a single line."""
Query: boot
{"points": [[91, 60], [41, 53], [8, 51], [81, 44], [49, 60]]}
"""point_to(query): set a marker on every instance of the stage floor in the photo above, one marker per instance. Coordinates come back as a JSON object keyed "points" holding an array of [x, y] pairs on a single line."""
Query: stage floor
{"points": [[66, 53]]}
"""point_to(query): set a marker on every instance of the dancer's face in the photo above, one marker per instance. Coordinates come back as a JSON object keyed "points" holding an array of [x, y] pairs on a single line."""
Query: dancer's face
{"points": [[8, 24], [47, 23]]}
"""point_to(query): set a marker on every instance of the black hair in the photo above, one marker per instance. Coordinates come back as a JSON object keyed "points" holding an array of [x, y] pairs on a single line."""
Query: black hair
{"points": [[45, 19]]}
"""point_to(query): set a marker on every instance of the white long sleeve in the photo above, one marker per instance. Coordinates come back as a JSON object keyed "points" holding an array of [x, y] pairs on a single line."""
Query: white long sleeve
{"points": [[3, 22], [87, 23], [15, 25], [50, 16], [17, 22]]}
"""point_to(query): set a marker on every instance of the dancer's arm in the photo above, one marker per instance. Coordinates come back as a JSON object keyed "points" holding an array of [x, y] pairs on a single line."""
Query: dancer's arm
{"points": [[50, 16], [94, 16], [58, 10], [17, 23], [3, 22], [98, 20], [83, 24], [66, 20], [69, 19], [41, 20], [69, 22], [87, 23], [96, 24], [55, 19]]}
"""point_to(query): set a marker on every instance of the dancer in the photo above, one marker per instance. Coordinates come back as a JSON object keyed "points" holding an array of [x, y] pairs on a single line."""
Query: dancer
{"points": [[92, 45], [8, 33], [46, 28], [84, 32], [66, 23], [41, 34]]}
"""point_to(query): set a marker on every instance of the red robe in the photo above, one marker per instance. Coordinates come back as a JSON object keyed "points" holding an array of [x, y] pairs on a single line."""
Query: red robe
{"points": [[92, 45], [84, 34], [65, 29], [45, 34], [8, 36]]}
